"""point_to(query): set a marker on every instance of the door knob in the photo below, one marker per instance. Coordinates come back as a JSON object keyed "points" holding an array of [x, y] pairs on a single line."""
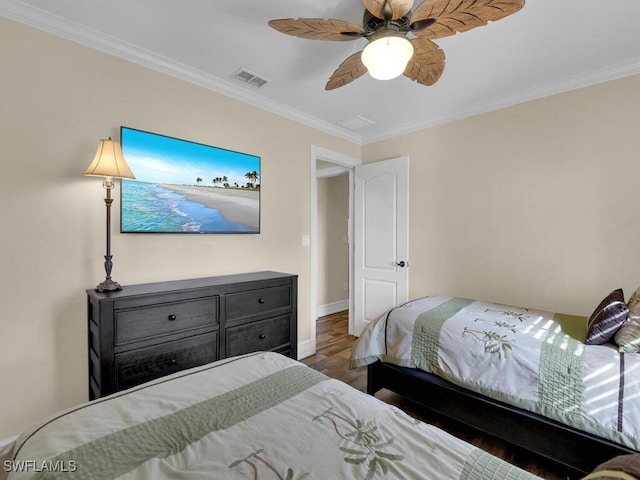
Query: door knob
{"points": [[401, 263]]}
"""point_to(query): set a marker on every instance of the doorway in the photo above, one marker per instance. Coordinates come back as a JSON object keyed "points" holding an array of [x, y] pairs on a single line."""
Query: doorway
{"points": [[333, 238], [340, 164], [381, 280]]}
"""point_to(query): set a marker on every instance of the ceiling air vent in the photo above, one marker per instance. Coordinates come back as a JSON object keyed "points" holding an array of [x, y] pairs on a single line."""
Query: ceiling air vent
{"points": [[245, 76], [356, 122]]}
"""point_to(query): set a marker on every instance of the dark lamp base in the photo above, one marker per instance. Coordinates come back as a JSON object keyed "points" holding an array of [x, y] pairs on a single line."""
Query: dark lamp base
{"points": [[108, 286]]}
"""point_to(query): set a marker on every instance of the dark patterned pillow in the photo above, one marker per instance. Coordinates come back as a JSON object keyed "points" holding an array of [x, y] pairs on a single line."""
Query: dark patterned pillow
{"points": [[607, 318], [628, 337], [622, 467]]}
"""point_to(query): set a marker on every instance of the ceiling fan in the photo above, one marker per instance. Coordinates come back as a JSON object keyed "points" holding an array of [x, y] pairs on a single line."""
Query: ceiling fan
{"points": [[387, 25]]}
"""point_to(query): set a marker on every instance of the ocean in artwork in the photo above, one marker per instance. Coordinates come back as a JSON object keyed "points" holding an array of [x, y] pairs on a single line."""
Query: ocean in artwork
{"points": [[147, 207]]}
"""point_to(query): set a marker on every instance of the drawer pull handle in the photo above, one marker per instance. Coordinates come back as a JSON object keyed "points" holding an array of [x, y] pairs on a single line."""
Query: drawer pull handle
{"points": [[262, 336], [261, 300], [172, 317]]}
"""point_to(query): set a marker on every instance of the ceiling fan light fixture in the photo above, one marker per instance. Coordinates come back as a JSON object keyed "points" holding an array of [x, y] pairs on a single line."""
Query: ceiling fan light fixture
{"points": [[387, 57]]}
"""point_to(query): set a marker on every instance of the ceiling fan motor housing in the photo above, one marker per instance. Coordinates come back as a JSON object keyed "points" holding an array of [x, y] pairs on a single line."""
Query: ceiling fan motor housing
{"points": [[373, 25]]}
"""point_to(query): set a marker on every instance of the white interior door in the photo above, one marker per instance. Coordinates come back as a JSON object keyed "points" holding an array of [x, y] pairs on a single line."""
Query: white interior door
{"points": [[381, 238]]}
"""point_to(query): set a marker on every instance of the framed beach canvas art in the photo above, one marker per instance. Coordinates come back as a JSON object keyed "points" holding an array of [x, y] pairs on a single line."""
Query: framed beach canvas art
{"points": [[187, 187]]}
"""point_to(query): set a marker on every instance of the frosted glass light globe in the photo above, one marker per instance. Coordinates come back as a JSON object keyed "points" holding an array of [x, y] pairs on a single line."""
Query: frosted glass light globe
{"points": [[387, 57]]}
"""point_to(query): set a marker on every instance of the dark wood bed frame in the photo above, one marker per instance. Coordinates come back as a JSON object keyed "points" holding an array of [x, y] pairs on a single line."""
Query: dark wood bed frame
{"points": [[575, 450]]}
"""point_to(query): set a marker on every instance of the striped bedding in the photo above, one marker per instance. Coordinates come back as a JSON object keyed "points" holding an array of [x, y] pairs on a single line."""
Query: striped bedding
{"points": [[531, 359], [260, 416]]}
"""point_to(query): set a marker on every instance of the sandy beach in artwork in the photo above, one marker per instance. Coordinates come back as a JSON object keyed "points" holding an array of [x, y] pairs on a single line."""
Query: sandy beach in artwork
{"points": [[236, 205]]}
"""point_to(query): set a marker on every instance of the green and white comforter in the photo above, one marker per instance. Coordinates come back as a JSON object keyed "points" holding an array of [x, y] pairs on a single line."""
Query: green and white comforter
{"points": [[532, 359], [262, 416]]}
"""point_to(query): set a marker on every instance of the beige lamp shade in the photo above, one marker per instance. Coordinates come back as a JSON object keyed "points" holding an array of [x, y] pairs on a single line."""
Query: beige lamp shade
{"points": [[109, 161]]}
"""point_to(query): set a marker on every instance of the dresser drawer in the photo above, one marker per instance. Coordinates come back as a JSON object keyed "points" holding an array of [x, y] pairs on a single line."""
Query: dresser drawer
{"points": [[145, 364], [165, 318], [262, 335], [256, 302]]}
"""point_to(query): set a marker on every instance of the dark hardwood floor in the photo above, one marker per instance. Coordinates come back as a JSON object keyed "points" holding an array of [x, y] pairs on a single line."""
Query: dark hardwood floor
{"points": [[333, 350]]}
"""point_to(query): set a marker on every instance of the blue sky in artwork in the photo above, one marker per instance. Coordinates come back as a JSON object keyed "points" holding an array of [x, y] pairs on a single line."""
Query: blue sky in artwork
{"points": [[159, 159]]}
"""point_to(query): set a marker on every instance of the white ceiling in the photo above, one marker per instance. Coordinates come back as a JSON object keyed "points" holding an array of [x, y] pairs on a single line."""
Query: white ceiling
{"points": [[548, 47]]}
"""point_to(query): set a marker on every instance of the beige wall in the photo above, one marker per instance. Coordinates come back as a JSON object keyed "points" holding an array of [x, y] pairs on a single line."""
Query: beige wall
{"points": [[58, 99], [534, 205], [333, 246]]}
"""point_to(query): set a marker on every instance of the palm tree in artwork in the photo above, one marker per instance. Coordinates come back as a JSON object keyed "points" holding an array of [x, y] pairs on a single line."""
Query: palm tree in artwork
{"points": [[198, 180], [225, 181], [252, 177]]}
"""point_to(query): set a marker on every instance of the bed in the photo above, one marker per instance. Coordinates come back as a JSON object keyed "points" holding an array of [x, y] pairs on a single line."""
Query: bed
{"points": [[259, 416], [564, 387]]}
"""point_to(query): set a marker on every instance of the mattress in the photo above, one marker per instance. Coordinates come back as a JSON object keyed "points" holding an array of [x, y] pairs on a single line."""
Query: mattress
{"points": [[532, 359]]}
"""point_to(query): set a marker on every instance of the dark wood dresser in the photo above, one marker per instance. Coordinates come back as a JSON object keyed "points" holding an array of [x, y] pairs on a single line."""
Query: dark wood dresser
{"points": [[150, 330]]}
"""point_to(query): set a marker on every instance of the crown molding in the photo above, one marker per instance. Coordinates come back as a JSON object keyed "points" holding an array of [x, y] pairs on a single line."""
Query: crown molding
{"points": [[61, 27], [575, 82]]}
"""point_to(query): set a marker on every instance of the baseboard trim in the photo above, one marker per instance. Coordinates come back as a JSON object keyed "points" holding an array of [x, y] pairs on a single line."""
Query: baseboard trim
{"points": [[305, 349], [308, 348], [334, 307]]}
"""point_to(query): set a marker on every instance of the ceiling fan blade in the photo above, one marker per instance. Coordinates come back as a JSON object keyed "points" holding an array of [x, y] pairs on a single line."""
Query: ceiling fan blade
{"points": [[348, 71], [441, 18], [399, 8], [427, 63], [318, 28]]}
